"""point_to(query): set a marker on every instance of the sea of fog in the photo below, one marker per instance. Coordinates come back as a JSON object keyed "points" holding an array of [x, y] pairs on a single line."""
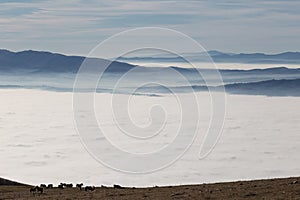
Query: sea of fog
{"points": [[275, 81], [39, 142], [260, 138]]}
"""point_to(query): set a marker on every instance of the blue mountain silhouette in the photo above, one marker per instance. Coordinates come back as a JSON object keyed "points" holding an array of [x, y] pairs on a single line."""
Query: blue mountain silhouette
{"points": [[39, 61]]}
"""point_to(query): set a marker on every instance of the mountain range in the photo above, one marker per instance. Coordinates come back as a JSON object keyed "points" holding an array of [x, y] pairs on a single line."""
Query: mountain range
{"points": [[220, 57], [57, 72], [40, 61]]}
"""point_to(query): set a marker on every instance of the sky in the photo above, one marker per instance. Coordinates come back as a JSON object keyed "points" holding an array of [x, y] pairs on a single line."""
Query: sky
{"points": [[77, 26]]}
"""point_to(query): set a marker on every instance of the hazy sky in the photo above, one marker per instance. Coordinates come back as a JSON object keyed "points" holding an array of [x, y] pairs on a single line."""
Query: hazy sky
{"points": [[76, 26]]}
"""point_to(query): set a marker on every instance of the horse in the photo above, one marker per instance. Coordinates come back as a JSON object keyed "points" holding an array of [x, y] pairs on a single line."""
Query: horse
{"points": [[69, 185], [118, 187], [40, 189], [36, 189], [90, 188], [79, 185], [32, 190], [60, 186]]}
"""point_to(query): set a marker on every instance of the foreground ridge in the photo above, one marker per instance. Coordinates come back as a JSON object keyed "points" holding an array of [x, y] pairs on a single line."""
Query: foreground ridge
{"points": [[7, 182], [280, 188]]}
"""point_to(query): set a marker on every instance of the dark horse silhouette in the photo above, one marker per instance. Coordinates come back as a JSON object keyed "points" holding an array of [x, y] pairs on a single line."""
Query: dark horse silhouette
{"points": [[69, 185], [36, 189], [89, 188], [40, 189], [79, 185], [32, 190], [60, 186], [118, 186]]}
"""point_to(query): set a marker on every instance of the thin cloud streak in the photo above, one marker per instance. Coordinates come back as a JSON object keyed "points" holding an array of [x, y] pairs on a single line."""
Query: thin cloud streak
{"points": [[91, 21]]}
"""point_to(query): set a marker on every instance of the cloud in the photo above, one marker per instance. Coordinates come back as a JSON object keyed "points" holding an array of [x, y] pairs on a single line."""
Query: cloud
{"points": [[61, 23]]}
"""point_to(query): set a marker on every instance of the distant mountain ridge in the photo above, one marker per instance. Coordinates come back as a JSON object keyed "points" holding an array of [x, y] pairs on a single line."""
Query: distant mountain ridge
{"points": [[272, 87], [282, 58], [272, 70], [41, 61], [57, 72], [220, 57]]}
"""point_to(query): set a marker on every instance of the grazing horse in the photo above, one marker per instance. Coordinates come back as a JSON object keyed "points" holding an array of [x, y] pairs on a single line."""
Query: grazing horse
{"points": [[50, 186], [79, 185], [69, 185], [118, 187], [32, 190], [36, 189], [90, 188], [40, 189]]}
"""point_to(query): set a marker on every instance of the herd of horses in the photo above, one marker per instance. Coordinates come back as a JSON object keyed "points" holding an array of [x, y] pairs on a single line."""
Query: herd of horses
{"points": [[40, 189]]}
